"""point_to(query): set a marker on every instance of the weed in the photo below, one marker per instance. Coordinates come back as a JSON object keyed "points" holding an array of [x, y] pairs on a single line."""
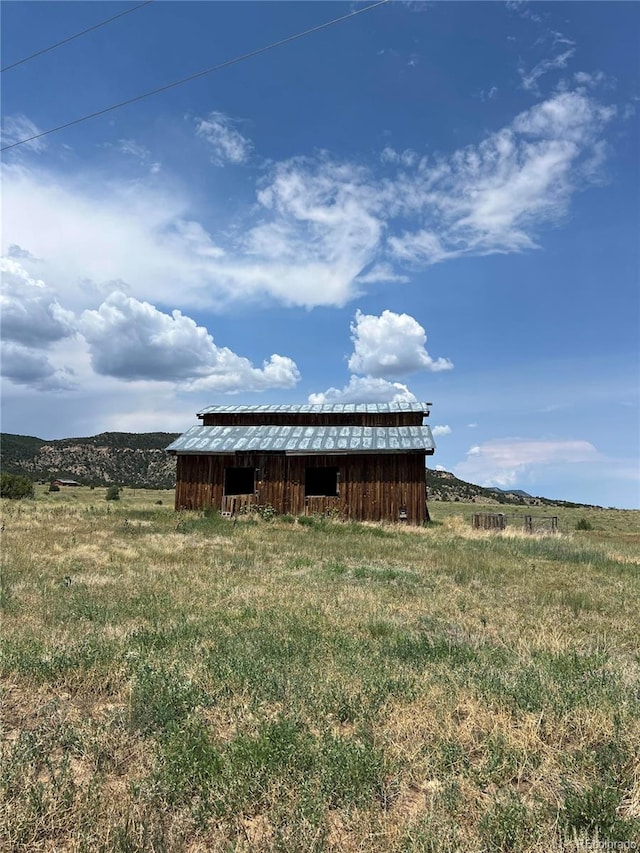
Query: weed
{"points": [[161, 699], [507, 825], [595, 810]]}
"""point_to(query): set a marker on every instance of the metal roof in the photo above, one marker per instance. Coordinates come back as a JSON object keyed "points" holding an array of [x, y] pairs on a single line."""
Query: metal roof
{"points": [[303, 440], [325, 408]]}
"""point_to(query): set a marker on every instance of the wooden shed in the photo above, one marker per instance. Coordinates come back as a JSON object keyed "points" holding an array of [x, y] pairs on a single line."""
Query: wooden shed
{"points": [[364, 462]]}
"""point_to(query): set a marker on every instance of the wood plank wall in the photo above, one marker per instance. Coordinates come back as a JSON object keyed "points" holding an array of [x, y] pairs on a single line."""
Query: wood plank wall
{"points": [[372, 487], [314, 419]]}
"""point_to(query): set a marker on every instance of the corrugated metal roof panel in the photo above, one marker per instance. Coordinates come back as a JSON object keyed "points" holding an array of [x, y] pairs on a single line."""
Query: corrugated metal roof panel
{"points": [[304, 439], [326, 408]]}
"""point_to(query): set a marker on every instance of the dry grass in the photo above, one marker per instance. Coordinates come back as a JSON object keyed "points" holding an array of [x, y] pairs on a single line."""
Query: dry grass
{"points": [[178, 682]]}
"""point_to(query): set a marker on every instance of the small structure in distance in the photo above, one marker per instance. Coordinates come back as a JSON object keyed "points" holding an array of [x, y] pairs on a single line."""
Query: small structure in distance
{"points": [[363, 462]]}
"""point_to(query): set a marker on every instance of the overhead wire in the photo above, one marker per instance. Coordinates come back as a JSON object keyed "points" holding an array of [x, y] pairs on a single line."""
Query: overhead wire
{"points": [[75, 36], [198, 74]]}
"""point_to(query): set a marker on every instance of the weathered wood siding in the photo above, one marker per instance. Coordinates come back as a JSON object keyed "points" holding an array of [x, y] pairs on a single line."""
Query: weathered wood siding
{"points": [[382, 419], [371, 487]]}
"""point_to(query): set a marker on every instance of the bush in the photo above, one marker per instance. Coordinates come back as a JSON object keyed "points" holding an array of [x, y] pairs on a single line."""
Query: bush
{"points": [[266, 512], [113, 493], [584, 524], [53, 487], [16, 487]]}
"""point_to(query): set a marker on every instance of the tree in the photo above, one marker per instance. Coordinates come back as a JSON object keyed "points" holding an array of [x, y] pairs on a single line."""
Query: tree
{"points": [[16, 487], [113, 493]]}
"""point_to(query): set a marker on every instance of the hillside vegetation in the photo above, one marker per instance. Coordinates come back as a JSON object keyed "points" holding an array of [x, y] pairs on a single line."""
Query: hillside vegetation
{"points": [[138, 460], [180, 682], [134, 459]]}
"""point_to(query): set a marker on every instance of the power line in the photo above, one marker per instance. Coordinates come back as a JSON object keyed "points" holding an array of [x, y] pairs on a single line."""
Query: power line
{"points": [[211, 70], [77, 35]]}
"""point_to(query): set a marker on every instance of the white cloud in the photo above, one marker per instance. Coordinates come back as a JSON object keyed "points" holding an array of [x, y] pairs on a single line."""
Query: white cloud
{"points": [[560, 38], [30, 313], [521, 7], [18, 127], [381, 273], [569, 116], [321, 229], [226, 144], [488, 95], [592, 80], [132, 340], [391, 345], [132, 149], [530, 79], [419, 248], [408, 157], [365, 389], [504, 462], [441, 430], [495, 196]]}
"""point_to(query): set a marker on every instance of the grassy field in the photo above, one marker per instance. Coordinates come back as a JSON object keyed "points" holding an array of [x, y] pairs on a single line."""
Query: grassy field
{"points": [[178, 682]]}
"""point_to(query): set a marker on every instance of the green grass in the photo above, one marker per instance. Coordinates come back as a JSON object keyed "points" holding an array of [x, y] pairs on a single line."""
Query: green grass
{"points": [[183, 682]]}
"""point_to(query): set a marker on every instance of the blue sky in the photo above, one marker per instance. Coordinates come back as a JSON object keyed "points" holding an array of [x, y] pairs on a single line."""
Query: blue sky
{"points": [[432, 201]]}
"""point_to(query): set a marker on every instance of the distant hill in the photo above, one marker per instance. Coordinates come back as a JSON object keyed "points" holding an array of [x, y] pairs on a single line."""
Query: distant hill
{"points": [[444, 486], [126, 458], [512, 492], [138, 460]]}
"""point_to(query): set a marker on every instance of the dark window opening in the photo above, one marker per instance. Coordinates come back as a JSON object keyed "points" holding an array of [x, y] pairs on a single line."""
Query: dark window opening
{"points": [[321, 482], [239, 481]]}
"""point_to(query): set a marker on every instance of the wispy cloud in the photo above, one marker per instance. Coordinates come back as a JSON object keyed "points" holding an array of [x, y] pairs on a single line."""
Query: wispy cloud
{"points": [[226, 143], [489, 94], [321, 229], [505, 462], [545, 66], [523, 9], [18, 127]]}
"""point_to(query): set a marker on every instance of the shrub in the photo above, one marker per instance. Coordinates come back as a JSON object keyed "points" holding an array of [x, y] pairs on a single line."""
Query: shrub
{"points": [[53, 487], [266, 512], [16, 487], [584, 524], [113, 493]]}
